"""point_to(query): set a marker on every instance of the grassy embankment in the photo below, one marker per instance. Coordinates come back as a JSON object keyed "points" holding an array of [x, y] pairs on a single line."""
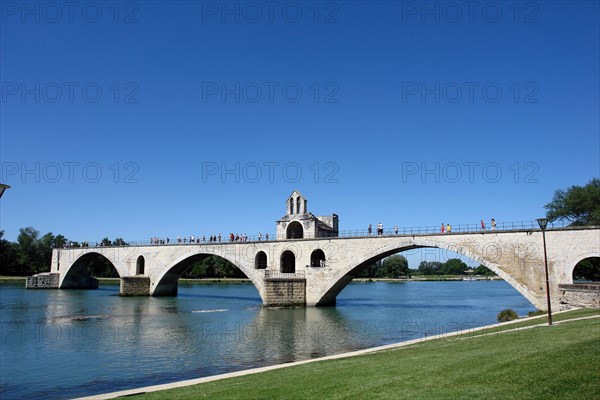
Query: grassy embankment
{"points": [[557, 362]]}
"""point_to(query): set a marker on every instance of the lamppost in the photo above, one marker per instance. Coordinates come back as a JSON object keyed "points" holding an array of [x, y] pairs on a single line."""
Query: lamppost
{"points": [[3, 187], [543, 222]]}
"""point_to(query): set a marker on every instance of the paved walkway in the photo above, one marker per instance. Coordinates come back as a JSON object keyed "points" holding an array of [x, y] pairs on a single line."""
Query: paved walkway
{"points": [[190, 382]]}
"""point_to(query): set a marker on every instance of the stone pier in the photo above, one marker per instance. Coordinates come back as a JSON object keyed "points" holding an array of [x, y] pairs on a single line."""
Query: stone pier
{"points": [[135, 286], [285, 292], [46, 280]]}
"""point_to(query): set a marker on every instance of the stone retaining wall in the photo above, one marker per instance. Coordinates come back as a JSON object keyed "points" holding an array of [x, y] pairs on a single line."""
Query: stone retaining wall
{"points": [[285, 292], [579, 295]]}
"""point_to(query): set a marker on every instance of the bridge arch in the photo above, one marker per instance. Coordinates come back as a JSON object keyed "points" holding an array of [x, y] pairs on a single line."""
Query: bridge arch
{"points": [[340, 280], [79, 275], [575, 262], [287, 262], [260, 261], [294, 231], [316, 258], [166, 284]]}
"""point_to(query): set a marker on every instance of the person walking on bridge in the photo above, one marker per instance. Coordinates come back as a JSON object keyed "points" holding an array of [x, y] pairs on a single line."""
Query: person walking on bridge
{"points": [[370, 229]]}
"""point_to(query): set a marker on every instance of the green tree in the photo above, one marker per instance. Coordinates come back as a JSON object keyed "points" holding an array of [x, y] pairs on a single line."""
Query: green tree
{"points": [[27, 250], [102, 268], [579, 205], [454, 266], [213, 267], [59, 242], [9, 257], [43, 252], [120, 242], [371, 270], [483, 270], [392, 267], [430, 267]]}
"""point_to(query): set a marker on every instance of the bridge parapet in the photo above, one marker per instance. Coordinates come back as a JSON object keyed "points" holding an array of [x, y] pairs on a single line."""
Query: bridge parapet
{"points": [[271, 274]]}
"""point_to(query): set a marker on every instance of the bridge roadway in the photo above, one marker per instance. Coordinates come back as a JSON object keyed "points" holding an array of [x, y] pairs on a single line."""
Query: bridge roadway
{"points": [[311, 272]]}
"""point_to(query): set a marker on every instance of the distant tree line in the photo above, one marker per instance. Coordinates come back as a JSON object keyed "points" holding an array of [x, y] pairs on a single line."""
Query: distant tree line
{"points": [[32, 253], [213, 267], [397, 266]]}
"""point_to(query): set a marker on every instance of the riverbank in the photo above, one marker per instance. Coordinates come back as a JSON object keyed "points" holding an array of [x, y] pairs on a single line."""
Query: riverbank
{"points": [[117, 280], [429, 278], [13, 278], [519, 359]]}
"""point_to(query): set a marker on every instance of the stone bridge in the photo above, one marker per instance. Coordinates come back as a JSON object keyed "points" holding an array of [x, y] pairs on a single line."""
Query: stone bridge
{"points": [[312, 272]]}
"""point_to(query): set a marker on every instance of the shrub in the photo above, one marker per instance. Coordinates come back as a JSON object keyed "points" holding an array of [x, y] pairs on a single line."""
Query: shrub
{"points": [[536, 313], [507, 315]]}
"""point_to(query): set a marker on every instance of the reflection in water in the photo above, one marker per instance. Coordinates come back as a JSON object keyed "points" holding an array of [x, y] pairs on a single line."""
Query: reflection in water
{"points": [[69, 343]]}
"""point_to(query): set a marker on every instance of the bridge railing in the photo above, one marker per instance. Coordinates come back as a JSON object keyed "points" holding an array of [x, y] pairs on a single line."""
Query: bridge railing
{"points": [[284, 275], [461, 228], [419, 230]]}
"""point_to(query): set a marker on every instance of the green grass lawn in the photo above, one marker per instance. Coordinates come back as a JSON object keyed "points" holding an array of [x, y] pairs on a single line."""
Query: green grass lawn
{"points": [[557, 362]]}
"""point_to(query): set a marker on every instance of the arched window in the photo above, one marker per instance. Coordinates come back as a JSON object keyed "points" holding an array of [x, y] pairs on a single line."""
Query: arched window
{"points": [[587, 270], [317, 259], [291, 205], [140, 265], [260, 261], [295, 231], [288, 262], [297, 205]]}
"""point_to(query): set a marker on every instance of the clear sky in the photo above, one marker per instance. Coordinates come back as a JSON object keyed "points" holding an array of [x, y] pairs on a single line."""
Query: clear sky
{"points": [[156, 118]]}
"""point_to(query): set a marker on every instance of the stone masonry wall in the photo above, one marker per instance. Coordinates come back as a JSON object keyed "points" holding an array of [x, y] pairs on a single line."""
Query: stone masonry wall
{"points": [[285, 292], [579, 295], [47, 280], [135, 286]]}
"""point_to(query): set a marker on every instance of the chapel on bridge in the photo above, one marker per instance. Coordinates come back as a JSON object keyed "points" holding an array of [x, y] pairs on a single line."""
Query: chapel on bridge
{"points": [[298, 223]]}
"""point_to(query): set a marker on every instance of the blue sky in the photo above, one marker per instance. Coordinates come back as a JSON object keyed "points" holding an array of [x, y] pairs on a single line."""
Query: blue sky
{"points": [[152, 118]]}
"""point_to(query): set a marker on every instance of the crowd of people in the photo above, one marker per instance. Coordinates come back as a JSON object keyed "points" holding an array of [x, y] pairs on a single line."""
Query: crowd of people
{"points": [[237, 237], [444, 228], [380, 229], [448, 228], [192, 239]]}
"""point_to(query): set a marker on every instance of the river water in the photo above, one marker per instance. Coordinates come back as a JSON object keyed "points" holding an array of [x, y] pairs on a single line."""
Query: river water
{"points": [[70, 343]]}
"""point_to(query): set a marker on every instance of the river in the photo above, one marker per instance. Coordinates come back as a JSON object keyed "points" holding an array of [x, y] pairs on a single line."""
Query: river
{"points": [[70, 343]]}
